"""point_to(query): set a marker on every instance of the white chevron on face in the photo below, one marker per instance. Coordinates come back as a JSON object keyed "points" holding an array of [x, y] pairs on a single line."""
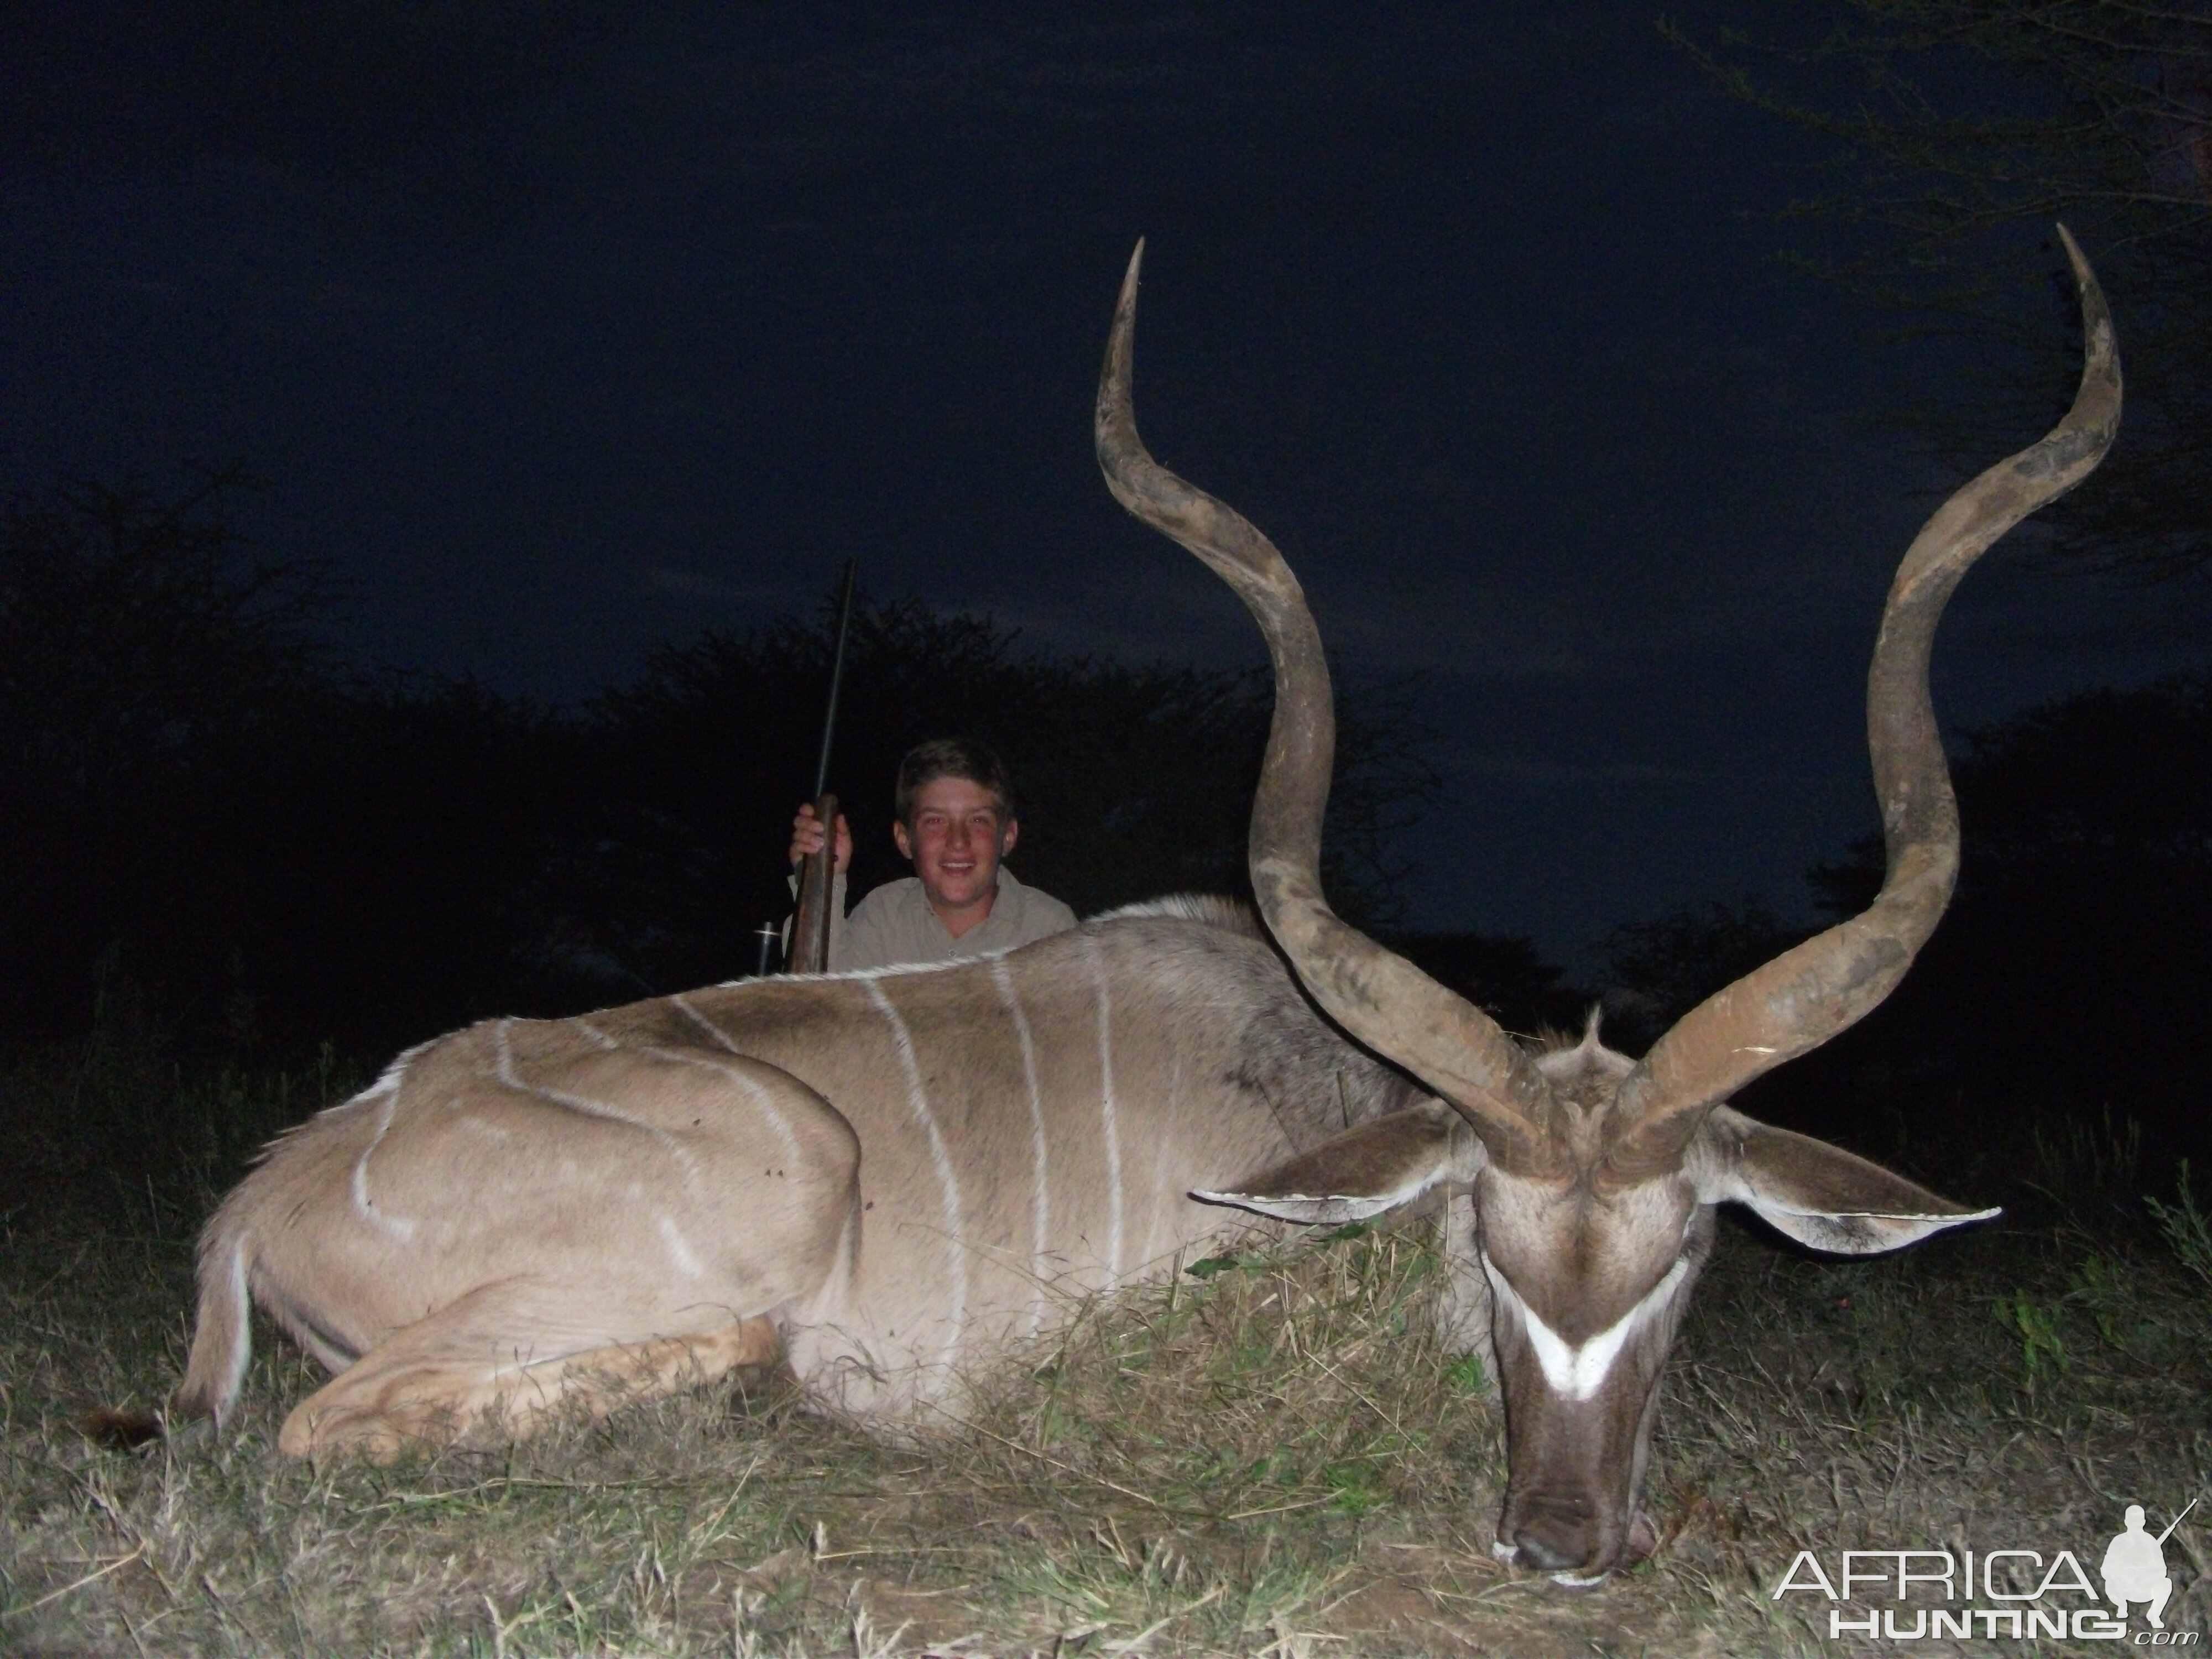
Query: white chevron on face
{"points": [[1577, 1370]]}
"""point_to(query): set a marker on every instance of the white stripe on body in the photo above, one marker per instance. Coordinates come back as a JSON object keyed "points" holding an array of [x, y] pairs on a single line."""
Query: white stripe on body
{"points": [[684, 1008], [1109, 1124], [948, 1183], [600, 1109], [399, 1226], [1575, 1372], [752, 1088], [1041, 1200], [679, 1251], [387, 1081]]}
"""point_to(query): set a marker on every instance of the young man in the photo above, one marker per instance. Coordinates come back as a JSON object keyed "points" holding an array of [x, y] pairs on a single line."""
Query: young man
{"points": [[955, 822]]}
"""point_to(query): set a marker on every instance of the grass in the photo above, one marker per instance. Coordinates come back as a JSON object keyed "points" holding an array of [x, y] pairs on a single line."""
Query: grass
{"points": [[1270, 1457], [2186, 1229]]}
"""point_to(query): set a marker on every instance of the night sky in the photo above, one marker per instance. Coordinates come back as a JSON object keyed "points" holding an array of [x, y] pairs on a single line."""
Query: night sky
{"points": [[561, 332]]}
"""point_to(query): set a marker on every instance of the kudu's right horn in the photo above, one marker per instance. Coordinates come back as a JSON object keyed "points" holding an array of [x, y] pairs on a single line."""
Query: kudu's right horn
{"points": [[1807, 995]]}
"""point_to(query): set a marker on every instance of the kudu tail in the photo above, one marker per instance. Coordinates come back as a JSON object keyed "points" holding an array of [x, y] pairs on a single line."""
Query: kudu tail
{"points": [[222, 1341], [223, 1338]]}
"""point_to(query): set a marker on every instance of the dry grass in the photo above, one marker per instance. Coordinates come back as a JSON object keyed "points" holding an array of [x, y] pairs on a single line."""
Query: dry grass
{"points": [[1274, 1459]]}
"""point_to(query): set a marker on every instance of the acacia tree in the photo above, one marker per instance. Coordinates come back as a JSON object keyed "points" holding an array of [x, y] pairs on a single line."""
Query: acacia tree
{"points": [[1959, 130]]}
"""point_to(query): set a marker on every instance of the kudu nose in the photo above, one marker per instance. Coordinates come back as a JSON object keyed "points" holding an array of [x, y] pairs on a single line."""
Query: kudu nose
{"points": [[1549, 1554], [1555, 1535]]}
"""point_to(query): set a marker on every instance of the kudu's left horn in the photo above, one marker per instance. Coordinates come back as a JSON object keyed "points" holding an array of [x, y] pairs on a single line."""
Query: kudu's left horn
{"points": [[1380, 997]]}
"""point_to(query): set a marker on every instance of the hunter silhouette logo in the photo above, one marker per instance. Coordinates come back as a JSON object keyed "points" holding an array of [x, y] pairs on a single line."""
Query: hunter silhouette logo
{"points": [[2017, 1593], [2134, 1566]]}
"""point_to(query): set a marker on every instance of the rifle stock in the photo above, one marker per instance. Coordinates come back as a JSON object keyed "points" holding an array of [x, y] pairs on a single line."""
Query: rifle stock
{"points": [[817, 898]]}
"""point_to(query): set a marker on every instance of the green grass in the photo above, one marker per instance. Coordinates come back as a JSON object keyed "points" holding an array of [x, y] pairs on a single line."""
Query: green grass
{"points": [[2186, 1229], [1274, 1459]]}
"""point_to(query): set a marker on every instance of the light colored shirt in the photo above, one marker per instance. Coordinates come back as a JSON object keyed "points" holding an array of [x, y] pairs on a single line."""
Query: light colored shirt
{"points": [[895, 924]]}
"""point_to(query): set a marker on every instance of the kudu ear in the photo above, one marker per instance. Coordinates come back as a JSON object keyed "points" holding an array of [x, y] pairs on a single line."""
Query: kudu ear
{"points": [[1363, 1171], [1820, 1195]]}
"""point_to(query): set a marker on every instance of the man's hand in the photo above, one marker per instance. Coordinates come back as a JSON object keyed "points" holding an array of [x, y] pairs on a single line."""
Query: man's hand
{"points": [[806, 838]]}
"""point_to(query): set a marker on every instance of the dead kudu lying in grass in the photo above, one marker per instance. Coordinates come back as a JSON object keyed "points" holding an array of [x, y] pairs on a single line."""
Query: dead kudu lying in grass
{"points": [[886, 1177]]}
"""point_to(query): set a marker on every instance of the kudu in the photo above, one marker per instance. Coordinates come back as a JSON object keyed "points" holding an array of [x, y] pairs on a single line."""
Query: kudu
{"points": [[1594, 1176], [885, 1177]]}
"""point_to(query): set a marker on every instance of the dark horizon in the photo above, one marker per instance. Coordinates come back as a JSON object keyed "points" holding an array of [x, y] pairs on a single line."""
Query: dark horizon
{"points": [[562, 335]]}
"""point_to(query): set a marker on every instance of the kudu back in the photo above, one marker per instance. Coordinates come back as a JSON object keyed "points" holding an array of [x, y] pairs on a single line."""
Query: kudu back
{"points": [[886, 1177]]}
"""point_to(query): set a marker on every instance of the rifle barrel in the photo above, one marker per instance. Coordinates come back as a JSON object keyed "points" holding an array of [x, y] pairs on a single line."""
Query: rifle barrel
{"points": [[818, 903], [2177, 1521], [836, 676]]}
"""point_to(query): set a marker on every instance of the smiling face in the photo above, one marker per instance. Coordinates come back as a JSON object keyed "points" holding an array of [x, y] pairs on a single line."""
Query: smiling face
{"points": [[957, 835]]}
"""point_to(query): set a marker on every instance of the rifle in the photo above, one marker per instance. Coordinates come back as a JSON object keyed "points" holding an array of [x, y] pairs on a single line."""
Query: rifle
{"points": [[818, 873], [2176, 1521]]}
